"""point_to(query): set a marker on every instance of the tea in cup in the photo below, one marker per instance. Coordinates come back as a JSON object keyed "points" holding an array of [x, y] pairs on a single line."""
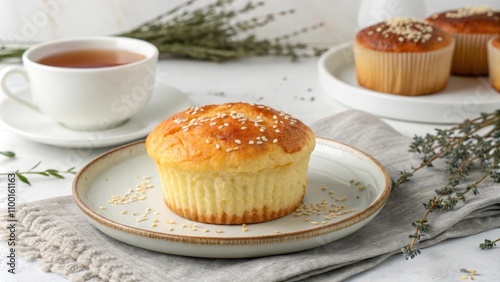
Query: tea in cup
{"points": [[87, 83]]}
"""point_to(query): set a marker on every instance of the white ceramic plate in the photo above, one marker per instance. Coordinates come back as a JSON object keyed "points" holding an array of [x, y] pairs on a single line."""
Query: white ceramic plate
{"points": [[34, 126], [332, 166], [464, 97]]}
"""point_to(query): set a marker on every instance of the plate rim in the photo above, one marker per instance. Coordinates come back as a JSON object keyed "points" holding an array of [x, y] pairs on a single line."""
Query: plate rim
{"points": [[372, 209]]}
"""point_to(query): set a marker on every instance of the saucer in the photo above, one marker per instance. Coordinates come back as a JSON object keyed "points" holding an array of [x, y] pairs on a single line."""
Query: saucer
{"points": [[34, 126]]}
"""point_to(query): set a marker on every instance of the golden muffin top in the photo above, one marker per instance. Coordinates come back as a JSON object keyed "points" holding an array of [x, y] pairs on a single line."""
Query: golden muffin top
{"points": [[403, 35], [481, 20], [233, 137]]}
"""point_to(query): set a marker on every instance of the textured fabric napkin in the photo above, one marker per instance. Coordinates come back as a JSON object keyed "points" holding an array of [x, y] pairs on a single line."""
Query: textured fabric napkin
{"points": [[54, 232]]}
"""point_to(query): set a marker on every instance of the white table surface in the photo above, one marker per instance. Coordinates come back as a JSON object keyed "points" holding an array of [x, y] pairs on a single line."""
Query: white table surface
{"points": [[292, 87]]}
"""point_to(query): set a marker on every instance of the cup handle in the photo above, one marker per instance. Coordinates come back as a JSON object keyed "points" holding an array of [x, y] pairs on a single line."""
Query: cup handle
{"points": [[4, 75]]}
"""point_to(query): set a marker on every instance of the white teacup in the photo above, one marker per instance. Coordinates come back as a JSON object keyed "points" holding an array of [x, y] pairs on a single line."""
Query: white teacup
{"points": [[96, 97]]}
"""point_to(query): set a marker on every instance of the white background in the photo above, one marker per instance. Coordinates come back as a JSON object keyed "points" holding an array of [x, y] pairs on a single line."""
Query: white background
{"points": [[31, 20]]}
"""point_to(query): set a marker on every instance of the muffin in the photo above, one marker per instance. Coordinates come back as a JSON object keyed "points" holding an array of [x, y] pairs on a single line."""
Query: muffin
{"points": [[494, 62], [471, 28], [403, 56], [233, 163]]}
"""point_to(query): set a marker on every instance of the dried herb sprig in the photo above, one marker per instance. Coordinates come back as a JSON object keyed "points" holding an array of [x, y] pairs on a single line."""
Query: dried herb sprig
{"points": [[472, 145], [212, 32], [488, 244], [48, 172], [7, 52], [8, 154]]}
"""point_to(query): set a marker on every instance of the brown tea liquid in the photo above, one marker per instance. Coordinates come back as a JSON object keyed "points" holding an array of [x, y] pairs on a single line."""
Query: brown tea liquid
{"points": [[91, 58]]}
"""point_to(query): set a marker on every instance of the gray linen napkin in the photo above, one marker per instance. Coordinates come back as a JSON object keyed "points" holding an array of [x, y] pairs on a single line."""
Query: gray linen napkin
{"points": [[54, 232]]}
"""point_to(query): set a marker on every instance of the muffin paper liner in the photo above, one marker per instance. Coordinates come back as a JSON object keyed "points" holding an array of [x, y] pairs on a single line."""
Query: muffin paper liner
{"points": [[234, 197], [470, 56]]}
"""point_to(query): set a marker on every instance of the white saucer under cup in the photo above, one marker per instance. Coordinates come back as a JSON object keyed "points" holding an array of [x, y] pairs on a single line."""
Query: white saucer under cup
{"points": [[34, 126]]}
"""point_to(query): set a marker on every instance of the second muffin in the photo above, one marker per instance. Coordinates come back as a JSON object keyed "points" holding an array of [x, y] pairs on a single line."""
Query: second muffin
{"points": [[403, 56], [471, 27]]}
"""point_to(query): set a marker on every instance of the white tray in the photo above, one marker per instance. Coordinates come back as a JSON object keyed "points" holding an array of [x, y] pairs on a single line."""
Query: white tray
{"points": [[464, 97]]}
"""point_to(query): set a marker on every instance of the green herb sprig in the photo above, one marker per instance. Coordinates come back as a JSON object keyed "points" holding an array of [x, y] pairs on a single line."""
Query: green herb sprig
{"points": [[8, 154], [488, 244], [10, 51], [22, 175], [212, 32], [473, 144]]}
